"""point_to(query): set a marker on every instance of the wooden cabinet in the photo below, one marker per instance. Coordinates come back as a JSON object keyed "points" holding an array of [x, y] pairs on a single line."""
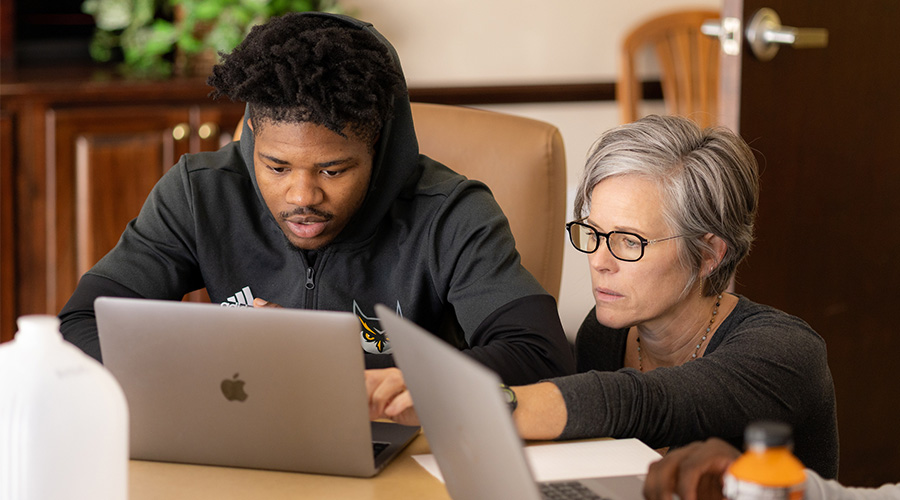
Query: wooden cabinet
{"points": [[77, 166]]}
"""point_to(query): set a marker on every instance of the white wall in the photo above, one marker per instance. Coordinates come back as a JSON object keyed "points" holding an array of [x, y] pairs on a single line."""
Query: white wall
{"points": [[460, 42], [450, 43]]}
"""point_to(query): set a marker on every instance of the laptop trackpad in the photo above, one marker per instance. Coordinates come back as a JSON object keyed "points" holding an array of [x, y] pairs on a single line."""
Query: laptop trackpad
{"points": [[395, 437], [618, 487]]}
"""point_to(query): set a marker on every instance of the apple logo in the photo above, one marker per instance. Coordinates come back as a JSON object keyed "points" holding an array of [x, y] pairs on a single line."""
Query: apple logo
{"points": [[233, 389]]}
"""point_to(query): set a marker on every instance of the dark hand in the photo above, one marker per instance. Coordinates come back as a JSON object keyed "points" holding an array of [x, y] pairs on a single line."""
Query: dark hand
{"points": [[388, 397], [257, 302], [693, 472]]}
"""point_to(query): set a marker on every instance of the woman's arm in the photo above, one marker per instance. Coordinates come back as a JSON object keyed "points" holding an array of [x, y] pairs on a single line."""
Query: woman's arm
{"points": [[541, 411]]}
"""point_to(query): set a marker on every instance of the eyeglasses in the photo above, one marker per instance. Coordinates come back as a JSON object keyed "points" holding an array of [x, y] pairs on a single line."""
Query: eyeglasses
{"points": [[625, 246]]}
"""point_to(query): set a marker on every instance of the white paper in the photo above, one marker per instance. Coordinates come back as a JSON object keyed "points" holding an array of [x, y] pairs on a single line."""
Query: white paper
{"points": [[582, 459]]}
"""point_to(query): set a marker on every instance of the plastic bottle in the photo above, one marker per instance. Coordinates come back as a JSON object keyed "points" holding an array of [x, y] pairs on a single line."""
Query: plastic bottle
{"points": [[768, 469], [63, 420]]}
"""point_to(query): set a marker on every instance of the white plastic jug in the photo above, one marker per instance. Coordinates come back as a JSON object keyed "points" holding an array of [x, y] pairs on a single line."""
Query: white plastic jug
{"points": [[63, 420]]}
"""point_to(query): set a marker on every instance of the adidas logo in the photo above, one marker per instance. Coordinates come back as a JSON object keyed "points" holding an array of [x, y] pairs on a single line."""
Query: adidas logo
{"points": [[244, 298]]}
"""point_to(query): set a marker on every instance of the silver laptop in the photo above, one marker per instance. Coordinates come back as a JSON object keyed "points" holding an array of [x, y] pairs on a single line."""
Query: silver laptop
{"points": [[469, 426], [279, 389]]}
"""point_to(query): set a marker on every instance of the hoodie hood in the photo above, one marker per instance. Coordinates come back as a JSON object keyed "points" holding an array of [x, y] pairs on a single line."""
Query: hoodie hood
{"points": [[395, 167]]}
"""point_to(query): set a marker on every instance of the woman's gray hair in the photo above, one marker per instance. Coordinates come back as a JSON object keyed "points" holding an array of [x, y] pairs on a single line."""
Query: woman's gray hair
{"points": [[708, 180]]}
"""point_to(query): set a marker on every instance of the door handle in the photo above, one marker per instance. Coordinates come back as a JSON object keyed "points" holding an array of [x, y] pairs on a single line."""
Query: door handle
{"points": [[728, 31], [765, 34]]}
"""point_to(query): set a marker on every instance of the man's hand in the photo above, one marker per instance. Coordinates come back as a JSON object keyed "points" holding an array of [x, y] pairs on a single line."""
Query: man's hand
{"points": [[388, 397], [693, 472], [257, 302]]}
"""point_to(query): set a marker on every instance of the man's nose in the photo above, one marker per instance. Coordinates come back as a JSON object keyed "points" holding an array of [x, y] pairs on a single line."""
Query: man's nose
{"points": [[304, 191]]}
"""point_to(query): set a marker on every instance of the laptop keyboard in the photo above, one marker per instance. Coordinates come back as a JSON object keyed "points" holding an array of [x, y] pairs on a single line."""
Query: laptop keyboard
{"points": [[379, 446], [567, 490]]}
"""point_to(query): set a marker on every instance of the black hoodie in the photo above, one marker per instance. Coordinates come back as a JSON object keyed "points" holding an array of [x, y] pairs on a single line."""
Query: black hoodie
{"points": [[426, 241]]}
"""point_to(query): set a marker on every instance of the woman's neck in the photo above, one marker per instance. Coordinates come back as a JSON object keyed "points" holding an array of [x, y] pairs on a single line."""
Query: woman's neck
{"points": [[674, 341]]}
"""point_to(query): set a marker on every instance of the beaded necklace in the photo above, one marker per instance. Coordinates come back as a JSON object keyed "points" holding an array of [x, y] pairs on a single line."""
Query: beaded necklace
{"points": [[696, 353]]}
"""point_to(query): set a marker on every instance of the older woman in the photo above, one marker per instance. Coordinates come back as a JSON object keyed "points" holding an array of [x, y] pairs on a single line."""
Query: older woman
{"points": [[665, 213]]}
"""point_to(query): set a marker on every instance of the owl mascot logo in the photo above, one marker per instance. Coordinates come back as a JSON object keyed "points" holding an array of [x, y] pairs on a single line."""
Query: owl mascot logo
{"points": [[374, 339]]}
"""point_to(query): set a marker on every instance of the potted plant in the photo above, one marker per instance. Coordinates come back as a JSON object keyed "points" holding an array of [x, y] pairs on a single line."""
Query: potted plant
{"points": [[157, 37]]}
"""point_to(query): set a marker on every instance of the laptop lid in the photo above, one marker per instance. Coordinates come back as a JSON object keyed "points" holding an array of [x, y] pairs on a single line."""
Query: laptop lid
{"points": [[279, 389], [468, 423]]}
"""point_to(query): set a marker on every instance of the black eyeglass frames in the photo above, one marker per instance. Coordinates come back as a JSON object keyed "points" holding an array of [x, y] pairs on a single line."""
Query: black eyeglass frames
{"points": [[625, 246]]}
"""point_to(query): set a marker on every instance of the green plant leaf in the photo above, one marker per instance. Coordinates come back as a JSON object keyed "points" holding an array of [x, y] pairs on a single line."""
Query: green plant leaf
{"points": [[144, 11], [208, 10], [141, 28], [91, 7], [189, 44], [241, 17], [109, 15], [160, 37], [257, 6], [102, 44], [297, 5], [224, 37]]}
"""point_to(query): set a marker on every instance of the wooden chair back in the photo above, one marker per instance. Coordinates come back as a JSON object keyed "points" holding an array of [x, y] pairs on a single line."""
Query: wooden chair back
{"points": [[689, 66]]}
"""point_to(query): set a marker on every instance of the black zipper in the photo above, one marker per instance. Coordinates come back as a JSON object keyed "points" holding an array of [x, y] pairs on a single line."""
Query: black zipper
{"points": [[310, 281]]}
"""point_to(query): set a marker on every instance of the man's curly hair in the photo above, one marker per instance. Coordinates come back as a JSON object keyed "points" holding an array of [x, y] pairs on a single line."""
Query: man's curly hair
{"points": [[300, 68]]}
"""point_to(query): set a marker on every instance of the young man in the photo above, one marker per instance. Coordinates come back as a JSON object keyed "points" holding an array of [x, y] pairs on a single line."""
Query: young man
{"points": [[325, 203]]}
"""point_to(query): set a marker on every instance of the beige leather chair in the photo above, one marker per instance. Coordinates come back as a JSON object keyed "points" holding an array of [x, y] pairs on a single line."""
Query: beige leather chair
{"points": [[688, 60], [522, 161]]}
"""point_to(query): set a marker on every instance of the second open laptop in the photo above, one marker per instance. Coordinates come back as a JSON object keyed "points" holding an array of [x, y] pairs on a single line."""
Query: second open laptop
{"points": [[279, 389], [469, 426]]}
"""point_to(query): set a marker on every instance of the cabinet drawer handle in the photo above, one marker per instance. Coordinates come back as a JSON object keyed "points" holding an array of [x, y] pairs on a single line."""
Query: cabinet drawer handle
{"points": [[181, 131], [208, 130]]}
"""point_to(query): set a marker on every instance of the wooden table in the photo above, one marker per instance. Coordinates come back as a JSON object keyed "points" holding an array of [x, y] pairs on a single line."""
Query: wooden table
{"points": [[402, 478]]}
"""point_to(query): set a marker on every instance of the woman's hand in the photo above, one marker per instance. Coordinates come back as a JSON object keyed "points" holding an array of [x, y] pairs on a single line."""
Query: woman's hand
{"points": [[388, 396]]}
